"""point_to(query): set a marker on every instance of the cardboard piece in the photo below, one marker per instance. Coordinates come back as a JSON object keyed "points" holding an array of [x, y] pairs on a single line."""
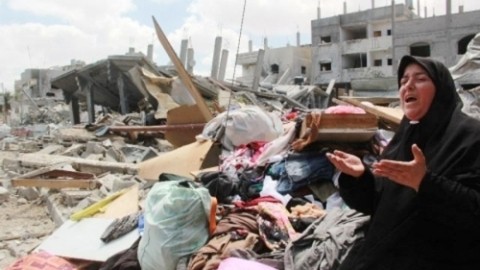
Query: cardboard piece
{"points": [[81, 240], [186, 114], [153, 84], [97, 207], [122, 206], [181, 161]]}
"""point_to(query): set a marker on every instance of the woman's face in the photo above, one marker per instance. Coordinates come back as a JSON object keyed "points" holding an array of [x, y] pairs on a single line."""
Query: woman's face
{"points": [[416, 92]]}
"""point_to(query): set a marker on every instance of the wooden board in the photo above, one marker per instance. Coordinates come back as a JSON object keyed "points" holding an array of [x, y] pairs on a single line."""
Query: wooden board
{"points": [[345, 135], [182, 73], [348, 121], [54, 183], [344, 127], [122, 206], [393, 115]]}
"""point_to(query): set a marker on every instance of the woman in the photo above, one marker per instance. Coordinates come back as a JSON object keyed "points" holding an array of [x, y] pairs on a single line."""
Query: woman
{"points": [[423, 194]]}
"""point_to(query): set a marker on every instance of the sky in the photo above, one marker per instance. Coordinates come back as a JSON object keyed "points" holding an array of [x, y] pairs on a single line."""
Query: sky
{"points": [[50, 33]]}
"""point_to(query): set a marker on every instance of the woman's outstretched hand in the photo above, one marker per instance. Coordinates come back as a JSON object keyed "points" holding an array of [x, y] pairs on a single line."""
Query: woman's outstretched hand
{"points": [[407, 173], [346, 163]]}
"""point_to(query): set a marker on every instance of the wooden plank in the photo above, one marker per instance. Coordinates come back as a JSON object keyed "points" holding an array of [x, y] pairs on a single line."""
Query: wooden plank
{"points": [[182, 73], [340, 128], [70, 174], [122, 206], [394, 115], [336, 121], [375, 100], [55, 183]]}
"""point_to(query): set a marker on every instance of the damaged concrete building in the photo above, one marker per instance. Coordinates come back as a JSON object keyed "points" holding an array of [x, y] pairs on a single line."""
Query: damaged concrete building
{"points": [[35, 92], [360, 50], [367, 44], [104, 83]]}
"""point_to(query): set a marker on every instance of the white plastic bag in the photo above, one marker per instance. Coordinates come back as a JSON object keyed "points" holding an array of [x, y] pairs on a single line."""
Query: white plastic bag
{"points": [[246, 125]]}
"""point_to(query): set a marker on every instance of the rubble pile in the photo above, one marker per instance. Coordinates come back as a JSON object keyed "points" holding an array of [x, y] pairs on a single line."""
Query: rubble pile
{"points": [[89, 179], [179, 172]]}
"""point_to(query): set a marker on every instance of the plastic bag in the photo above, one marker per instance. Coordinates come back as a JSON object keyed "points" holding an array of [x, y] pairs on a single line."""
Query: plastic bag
{"points": [[176, 224], [244, 126]]}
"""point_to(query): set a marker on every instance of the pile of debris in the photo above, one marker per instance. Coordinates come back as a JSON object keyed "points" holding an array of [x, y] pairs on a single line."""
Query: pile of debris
{"points": [[94, 179], [187, 173]]}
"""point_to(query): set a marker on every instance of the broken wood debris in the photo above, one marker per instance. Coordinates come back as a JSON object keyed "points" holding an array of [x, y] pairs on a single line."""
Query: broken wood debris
{"points": [[56, 178]]}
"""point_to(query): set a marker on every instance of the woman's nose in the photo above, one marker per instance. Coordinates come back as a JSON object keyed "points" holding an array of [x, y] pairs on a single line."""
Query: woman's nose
{"points": [[409, 84]]}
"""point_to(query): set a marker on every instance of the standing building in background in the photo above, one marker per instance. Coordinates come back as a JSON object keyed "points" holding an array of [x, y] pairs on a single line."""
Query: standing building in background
{"points": [[361, 49], [286, 65], [356, 46]]}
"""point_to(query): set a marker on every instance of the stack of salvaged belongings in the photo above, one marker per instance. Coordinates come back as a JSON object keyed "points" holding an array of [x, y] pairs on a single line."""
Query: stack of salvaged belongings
{"points": [[272, 203]]}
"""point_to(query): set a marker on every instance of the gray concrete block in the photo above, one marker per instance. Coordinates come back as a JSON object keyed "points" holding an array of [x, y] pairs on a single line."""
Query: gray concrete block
{"points": [[94, 148], [72, 197], [75, 150], [4, 194], [52, 149], [54, 209], [28, 193]]}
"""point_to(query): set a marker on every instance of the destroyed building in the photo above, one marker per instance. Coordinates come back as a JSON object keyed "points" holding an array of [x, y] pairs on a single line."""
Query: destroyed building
{"points": [[35, 95], [368, 44], [360, 50]]}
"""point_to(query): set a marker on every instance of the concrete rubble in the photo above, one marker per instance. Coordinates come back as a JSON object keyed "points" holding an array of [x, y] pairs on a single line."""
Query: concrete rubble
{"points": [[46, 164]]}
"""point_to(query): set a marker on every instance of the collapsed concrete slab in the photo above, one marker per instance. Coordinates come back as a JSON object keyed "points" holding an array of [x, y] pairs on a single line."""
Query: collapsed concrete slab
{"points": [[32, 161]]}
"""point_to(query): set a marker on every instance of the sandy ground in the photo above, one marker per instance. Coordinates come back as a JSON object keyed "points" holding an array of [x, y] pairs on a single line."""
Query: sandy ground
{"points": [[24, 224]]}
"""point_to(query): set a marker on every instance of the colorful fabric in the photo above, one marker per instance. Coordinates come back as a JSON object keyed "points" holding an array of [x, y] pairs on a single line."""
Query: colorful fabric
{"points": [[41, 261]]}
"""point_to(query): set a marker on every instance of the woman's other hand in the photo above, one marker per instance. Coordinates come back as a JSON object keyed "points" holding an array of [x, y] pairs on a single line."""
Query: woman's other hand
{"points": [[346, 163], [407, 173]]}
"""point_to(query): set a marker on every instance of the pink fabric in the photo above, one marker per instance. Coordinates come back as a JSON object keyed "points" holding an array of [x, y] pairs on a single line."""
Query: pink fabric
{"points": [[41, 261], [233, 263], [278, 212], [242, 158], [344, 109]]}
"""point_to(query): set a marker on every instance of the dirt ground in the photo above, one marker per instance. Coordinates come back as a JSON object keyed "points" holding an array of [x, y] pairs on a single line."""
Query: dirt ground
{"points": [[24, 224]]}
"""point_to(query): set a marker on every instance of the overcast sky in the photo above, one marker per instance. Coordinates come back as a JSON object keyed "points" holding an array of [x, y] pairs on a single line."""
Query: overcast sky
{"points": [[49, 33]]}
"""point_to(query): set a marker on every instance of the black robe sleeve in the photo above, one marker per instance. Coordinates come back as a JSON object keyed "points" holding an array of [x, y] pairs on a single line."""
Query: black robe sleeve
{"points": [[358, 193]]}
